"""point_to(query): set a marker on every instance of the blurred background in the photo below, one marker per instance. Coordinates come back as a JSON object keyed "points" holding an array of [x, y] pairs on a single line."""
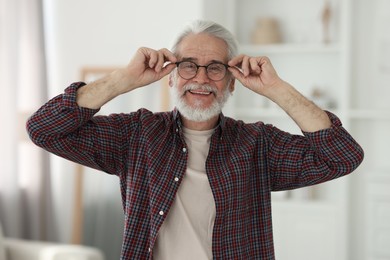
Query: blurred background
{"points": [[337, 52]]}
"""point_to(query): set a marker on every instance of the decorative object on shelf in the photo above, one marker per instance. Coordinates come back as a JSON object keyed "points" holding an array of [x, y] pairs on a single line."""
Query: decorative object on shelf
{"points": [[321, 98], [266, 31], [326, 16]]}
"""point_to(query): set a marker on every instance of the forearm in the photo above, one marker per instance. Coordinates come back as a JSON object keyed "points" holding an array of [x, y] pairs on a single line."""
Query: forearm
{"points": [[258, 74], [307, 115], [95, 94]]}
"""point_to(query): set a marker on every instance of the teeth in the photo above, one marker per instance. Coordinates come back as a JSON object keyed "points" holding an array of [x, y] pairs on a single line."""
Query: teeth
{"points": [[200, 92]]}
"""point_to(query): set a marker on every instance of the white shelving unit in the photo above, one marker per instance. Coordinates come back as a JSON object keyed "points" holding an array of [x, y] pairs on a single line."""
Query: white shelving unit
{"points": [[345, 218], [309, 223], [369, 116]]}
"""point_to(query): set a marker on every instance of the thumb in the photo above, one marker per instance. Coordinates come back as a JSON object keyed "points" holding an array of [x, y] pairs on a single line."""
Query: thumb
{"points": [[168, 68]]}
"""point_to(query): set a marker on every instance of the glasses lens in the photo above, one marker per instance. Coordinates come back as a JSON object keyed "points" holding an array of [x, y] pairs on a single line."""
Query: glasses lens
{"points": [[216, 71], [187, 69]]}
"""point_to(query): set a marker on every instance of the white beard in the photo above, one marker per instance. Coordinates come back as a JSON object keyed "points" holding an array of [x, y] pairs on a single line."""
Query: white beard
{"points": [[196, 112]]}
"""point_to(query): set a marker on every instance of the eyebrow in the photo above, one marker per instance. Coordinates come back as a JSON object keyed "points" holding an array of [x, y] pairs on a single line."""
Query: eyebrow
{"points": [[196, 59]]}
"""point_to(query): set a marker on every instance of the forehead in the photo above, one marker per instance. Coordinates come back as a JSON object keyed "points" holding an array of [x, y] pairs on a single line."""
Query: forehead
{"points": [[203, 48]]}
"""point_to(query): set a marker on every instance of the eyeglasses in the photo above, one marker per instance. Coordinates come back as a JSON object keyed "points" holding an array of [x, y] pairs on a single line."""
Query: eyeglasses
{"points": [[215, 71]]}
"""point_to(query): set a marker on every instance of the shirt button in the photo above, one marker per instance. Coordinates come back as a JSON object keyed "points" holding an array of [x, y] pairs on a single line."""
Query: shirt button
{"points": [[184, 150], [176, 179], [177, 130], [150, 250], [161, 213]]}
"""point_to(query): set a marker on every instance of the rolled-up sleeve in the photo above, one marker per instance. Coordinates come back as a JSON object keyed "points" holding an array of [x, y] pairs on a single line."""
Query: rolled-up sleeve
{"points": [[337, 147], [63, 128], [316, 157], [58, 116]]}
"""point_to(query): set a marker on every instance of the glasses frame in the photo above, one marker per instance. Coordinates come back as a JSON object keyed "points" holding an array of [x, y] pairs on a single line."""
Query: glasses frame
{"points": [[202, 66]]}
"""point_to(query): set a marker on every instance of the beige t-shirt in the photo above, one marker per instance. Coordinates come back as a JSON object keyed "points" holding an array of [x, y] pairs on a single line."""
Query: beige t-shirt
{"points": [[187, 231]]}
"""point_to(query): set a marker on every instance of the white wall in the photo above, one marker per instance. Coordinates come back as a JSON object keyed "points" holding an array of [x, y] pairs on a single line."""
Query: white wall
{"points": [[107, 32], [103, 33]]}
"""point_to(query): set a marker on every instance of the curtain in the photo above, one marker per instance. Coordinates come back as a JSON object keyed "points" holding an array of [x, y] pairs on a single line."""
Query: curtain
{"points": [[25, 194]]}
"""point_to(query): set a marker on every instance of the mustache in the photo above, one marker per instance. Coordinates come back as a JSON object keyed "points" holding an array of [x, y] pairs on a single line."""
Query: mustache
{"points": [[204, 87]]}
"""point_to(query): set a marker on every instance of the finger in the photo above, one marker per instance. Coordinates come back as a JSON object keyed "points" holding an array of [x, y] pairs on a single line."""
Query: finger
{"points": [[265, 61], [245, 66], [165, 57], [266, 66], [255, 65], [168, 56], [236, 61], [168, 69], [160, 61], [153, 57]]}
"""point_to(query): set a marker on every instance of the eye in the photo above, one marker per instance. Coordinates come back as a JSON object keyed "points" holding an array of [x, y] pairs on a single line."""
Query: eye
{"points": [[216, 68], [187, 65]]}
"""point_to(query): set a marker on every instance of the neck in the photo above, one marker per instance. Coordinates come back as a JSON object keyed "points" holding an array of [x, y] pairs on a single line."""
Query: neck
{"points": [[200, 126]]}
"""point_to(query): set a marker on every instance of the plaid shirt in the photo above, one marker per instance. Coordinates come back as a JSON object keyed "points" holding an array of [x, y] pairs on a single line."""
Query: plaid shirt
{"points": [[148, 153]]}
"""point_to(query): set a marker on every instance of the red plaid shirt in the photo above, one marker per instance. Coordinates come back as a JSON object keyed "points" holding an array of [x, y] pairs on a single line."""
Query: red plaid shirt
{"points": [[147, 152]]}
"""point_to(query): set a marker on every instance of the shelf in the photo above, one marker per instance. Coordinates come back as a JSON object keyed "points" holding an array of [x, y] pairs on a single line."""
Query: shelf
{"points": [[356, 114], [257, 112], [291, 48], [370, 114], [303, 204], [273, 112]]}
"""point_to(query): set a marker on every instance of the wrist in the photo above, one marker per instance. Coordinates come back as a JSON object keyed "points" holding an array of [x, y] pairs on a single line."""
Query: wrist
{"points": [[279, 91], [99, 92], [120, 83]]}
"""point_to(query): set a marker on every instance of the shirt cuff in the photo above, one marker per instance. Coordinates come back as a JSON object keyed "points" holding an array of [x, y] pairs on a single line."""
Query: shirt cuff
{"points": [[69, 104], [326, 136], [69, 98]]}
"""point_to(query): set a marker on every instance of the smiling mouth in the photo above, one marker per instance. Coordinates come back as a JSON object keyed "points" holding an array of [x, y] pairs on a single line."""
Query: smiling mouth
{"points": [[200, 92]]}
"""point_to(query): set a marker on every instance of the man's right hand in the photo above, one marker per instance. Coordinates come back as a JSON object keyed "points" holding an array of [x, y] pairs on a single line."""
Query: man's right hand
{"points": [[147, 66]]}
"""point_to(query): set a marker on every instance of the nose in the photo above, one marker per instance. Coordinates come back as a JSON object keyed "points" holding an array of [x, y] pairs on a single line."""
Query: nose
{"points": [[201, 76]]}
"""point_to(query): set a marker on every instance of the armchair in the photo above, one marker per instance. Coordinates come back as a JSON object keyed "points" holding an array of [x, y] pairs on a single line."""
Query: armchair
{"points": [[20, 249]]}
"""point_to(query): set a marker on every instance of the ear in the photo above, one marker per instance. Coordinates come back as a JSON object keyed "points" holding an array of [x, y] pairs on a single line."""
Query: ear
{"points": [[232, 85], [173, 78]]}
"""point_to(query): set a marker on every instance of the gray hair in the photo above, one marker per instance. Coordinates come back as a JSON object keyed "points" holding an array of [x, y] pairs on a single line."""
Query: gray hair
{"points": [[211, 28]]}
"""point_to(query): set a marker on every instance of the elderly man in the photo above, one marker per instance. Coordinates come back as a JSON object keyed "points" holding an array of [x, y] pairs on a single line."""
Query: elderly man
{"points": [[196, 184]]}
